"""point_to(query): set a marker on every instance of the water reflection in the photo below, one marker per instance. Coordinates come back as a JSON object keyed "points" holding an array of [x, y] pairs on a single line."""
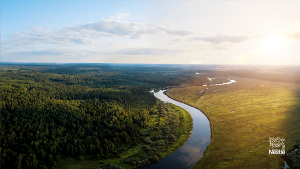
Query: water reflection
{"points": [[193, 154], [188, 154], [230, 81]]}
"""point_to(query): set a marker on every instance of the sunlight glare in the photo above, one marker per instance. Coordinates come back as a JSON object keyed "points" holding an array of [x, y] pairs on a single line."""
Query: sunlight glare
{"points": [[271, 50], [273, 43]]}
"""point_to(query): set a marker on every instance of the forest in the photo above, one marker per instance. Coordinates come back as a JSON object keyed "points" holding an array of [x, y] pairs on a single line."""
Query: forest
{"points": [[52, 112]]}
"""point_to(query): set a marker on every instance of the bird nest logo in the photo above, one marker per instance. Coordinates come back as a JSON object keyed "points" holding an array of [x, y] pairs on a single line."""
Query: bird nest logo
{"points": [[276, 145]]}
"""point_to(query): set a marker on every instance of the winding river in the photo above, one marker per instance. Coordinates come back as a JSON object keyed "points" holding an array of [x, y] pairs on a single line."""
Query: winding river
{"points": [[188, 154]]}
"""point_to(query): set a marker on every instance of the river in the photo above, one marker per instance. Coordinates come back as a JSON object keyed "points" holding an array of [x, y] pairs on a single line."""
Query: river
{"points": [[188, 154]]}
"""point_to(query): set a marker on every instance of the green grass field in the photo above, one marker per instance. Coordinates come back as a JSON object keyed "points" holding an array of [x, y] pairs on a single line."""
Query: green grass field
{"points": [[243, 116], [138, 153]]}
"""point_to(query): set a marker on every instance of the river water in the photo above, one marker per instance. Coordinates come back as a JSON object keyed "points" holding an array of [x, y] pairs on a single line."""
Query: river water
{"points": [[188, 154]]}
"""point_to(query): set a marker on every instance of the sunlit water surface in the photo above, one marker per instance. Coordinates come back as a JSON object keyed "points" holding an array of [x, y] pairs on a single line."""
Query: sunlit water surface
{"points": [[188, 154]]}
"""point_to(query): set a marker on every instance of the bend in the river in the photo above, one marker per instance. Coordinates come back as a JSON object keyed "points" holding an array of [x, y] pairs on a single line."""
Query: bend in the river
{"points": [[193, 149]]}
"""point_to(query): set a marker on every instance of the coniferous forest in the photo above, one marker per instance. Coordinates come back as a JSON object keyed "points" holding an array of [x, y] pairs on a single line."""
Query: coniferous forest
{"points": [[52, 112]]}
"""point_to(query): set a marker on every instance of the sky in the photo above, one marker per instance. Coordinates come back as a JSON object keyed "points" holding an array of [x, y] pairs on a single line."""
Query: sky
{"points": [[154, 32]]}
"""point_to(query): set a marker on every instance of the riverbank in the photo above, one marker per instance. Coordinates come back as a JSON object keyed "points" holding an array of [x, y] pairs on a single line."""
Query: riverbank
{"points": [[207, 150], [243, 116], [166, 93], [168, 130]]}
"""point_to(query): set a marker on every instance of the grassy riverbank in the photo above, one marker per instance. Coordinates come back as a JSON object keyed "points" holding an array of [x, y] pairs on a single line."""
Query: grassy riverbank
{"points": [[243, 116], [169, 128]]}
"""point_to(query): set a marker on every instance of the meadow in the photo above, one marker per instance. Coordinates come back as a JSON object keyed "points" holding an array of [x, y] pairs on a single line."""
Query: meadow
{"points": [[243, 116]]}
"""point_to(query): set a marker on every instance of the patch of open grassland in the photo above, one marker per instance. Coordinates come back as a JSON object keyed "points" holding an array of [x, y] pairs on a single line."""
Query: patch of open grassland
{"points": [[243, 116], [170, 120]]}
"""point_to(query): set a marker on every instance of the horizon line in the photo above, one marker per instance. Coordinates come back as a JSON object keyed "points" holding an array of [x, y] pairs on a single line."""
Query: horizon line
{"points": [[57, 63]]}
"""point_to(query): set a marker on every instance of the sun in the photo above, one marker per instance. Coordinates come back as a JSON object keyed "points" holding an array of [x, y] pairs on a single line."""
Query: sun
{"points": [[270, 50], [273, 43]]}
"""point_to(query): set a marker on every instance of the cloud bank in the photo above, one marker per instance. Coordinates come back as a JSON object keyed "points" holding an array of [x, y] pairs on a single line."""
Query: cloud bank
{"points": [[89, 33], [223, 38]]}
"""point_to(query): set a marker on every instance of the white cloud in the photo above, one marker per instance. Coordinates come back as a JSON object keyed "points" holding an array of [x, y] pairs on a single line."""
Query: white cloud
{"points": [[146, 51], [120, 16], [37, 36], [90, 32], [223, 38], [110, 28], [220, 47], [293, 35]]}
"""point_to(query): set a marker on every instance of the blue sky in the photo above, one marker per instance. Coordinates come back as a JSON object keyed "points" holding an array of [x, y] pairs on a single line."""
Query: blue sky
{"points": [[190, 32]]}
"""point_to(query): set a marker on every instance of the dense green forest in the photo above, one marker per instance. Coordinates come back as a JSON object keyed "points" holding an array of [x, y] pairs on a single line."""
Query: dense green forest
{"points": [[51, 112]]}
